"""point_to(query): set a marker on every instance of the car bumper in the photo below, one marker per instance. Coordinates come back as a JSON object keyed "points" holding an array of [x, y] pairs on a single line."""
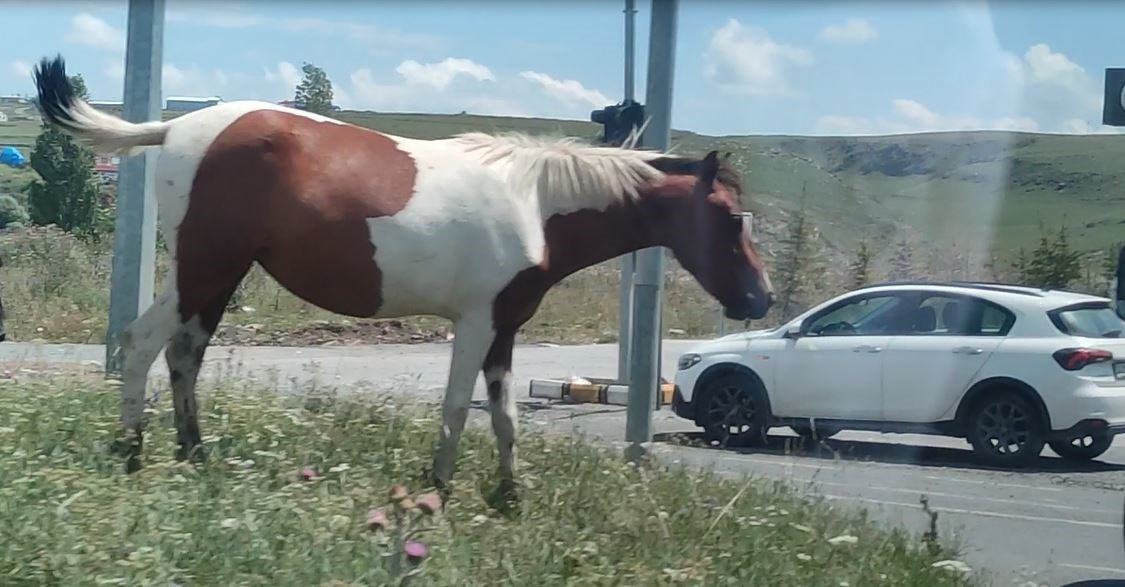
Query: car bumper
{"points": [[681, 407], [1095, 407]]}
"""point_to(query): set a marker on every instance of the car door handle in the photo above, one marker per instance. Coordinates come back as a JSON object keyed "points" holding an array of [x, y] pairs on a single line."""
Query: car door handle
{"points": [[968, 350], [866, 348]]}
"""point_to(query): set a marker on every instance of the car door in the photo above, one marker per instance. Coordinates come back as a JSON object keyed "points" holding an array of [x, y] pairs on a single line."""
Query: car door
{"points": [[833, 368], [929, 367]]}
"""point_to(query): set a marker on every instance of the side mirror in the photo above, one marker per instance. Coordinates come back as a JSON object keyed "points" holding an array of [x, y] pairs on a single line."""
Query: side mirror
{"points": [[793, 330], [1117, 287]]}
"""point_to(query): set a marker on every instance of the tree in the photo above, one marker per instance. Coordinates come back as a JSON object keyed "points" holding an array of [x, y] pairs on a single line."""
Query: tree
{"points": [[859, 272], [314, 93], [799, 268], [66, 193], [1053, 264]]}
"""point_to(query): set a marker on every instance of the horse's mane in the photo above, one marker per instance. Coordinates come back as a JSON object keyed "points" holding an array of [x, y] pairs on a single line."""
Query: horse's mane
{"points": [[574, 174]]}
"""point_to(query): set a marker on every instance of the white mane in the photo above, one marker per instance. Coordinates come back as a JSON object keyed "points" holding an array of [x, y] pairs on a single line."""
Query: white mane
{"points": [[566, 173]]}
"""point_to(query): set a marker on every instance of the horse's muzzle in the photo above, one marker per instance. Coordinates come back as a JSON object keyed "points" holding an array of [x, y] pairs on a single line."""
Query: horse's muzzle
{"points": [[751, 308]]}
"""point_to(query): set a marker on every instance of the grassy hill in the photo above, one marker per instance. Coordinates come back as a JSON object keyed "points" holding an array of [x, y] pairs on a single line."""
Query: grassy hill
{"points": [[991, 189]]}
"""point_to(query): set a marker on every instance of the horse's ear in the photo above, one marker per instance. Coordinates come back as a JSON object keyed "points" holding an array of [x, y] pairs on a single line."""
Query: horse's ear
{"points": [[709, 168]]}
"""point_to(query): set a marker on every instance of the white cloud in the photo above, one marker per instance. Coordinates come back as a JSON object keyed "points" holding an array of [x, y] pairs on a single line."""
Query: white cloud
{"points": [[569, 91], [91, 31], [193, 80], [1055, 86], [908, 116], [853, 30], [745, 60], [286, 74], [440, 75], [22, 69]]}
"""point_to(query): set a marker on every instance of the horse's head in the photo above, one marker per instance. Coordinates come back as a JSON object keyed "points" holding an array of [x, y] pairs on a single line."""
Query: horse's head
{"points": [[711, 237]]}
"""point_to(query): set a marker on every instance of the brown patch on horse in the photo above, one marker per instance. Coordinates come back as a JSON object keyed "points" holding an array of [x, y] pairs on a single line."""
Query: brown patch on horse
{"points": [[293, 194]]}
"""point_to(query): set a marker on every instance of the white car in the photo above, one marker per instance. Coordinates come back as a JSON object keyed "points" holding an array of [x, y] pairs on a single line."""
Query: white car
{"points": [[1008, 368]]}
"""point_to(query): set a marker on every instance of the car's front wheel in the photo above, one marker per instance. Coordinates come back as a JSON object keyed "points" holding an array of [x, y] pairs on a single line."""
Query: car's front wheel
{"points": [[734, 410], [1082, 448], [1006, 430]]}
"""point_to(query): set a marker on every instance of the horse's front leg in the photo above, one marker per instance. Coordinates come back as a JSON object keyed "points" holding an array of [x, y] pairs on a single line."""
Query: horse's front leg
{"points": [[473, 335]]}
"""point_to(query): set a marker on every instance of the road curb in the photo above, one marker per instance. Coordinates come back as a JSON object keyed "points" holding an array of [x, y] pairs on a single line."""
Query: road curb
{"points": [[592, 391]]}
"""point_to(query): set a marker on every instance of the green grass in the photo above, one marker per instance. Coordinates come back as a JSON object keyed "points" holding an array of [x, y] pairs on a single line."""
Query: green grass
{"points": [[68, 516]]}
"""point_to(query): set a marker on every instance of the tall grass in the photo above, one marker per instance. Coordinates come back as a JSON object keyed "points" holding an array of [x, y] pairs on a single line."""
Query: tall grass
{"points": [[287, 493]]}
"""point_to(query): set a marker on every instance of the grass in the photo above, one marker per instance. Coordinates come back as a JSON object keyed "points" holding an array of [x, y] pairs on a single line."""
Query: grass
{"points": [[68, 516], [55, 289]]}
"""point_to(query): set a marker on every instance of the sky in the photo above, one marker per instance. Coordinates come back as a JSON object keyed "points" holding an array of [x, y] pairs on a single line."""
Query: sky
{"points": [[798, 67]]}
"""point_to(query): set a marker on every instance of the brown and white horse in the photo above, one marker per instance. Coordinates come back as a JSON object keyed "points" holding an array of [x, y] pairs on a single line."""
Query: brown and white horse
{"points": [[474, 228]]}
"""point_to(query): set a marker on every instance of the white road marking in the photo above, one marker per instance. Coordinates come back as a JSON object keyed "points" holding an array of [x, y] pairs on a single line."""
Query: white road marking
{"points": [[929, 493], [948, 510], [1092, 568], [978, 482]]}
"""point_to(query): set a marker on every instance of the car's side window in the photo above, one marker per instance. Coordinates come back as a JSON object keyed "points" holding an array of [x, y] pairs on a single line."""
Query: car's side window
{"points": [[869, 315], [959, 315]]}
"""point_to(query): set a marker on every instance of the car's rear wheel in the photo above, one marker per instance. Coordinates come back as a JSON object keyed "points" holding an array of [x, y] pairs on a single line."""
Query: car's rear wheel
{"points": [[734, 410], [1006, 429], [1082, 448]]}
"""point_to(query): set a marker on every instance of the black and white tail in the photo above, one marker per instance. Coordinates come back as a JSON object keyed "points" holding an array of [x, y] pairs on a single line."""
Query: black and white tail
{"points": [[61, 106]]}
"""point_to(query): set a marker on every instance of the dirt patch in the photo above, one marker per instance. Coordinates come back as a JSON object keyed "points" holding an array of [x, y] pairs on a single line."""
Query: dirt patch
{"points": [[329, 333]]}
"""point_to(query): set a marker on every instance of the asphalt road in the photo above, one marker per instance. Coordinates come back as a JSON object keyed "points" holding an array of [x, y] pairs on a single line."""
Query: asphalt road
{"points": [[1052, 525]]}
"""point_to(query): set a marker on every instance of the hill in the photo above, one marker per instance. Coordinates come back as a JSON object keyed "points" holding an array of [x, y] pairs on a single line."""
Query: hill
{"points": [[987, 192]]}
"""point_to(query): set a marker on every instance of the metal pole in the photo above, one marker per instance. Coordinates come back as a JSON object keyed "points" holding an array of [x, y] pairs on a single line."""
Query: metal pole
{"points": [[134, 244], [644, 373], [628, 260]]}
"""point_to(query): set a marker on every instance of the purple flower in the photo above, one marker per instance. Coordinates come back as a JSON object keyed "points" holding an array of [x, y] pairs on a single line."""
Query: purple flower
{"points": [[415, 551], [429, 503], [377, 520]]}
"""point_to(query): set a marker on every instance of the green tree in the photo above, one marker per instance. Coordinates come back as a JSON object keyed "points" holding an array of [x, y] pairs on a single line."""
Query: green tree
{"points": [[66, 193], [800, 266], [314, 93], [1053, 264], [859, 272]]}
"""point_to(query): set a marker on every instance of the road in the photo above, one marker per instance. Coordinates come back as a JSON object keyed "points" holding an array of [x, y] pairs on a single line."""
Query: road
{"points": [[1051, 525]]}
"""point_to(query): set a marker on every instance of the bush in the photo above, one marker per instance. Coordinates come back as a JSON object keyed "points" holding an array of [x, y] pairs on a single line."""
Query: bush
{"points": [[12, 212]]}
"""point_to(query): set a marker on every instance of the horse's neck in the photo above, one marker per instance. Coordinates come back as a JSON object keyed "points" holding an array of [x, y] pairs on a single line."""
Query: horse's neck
{"points": [[581, 239]]}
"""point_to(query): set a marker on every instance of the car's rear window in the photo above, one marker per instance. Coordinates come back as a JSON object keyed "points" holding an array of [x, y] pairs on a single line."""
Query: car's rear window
{"points": [[1089, 321]]}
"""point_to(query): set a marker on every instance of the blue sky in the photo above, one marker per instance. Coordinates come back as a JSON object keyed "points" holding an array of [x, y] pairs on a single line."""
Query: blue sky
{"points": [[797, 67]]}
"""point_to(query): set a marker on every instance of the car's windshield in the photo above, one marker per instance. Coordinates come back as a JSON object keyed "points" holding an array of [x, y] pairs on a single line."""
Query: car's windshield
{"points": [[1090, 322]]}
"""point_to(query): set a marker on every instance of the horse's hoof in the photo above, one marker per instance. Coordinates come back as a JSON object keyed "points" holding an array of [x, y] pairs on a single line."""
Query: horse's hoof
{"points": [[506, 497], [129, 447], [196, 454]]}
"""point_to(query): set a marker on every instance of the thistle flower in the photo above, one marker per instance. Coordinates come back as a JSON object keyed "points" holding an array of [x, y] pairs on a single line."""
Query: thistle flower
{"points": [[415, 551], [377, 520], [429, 503], [398, 493]]}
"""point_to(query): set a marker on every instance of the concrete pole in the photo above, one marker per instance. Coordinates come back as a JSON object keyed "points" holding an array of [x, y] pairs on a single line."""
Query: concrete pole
{"points": [[628, 260], [134, 245], [644, 373]]}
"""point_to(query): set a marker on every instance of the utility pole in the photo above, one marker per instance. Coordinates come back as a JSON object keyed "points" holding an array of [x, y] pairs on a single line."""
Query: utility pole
{"points": [[628, 260], [134, 244], [644, 372]]}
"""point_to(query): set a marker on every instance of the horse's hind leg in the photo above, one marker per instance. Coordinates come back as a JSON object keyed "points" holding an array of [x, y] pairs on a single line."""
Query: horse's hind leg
{"points": [[140, 344], [184, 356]]}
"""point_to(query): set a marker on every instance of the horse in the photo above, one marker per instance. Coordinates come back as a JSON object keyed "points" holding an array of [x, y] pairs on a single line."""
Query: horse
{"points": [[474, 228]]}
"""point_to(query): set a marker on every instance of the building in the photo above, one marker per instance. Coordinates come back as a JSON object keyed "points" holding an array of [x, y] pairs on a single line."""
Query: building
{"points": [[188, 103], [107, 104], [105, 168]]}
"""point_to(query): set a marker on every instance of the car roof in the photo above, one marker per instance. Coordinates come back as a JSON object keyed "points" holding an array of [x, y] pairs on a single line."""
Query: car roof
{"points": [[1003, 293]]}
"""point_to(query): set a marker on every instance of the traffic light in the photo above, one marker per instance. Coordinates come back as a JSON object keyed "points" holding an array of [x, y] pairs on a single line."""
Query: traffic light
{"points": [[1113, 108], [619, 120]]}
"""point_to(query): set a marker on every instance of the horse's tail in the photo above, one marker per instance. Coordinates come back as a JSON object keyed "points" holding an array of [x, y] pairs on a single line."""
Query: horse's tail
{"points": [[60, 104]]}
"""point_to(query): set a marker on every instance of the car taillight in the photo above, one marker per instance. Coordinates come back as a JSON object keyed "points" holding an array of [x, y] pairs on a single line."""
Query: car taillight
{"points": [[1076, 359]]}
